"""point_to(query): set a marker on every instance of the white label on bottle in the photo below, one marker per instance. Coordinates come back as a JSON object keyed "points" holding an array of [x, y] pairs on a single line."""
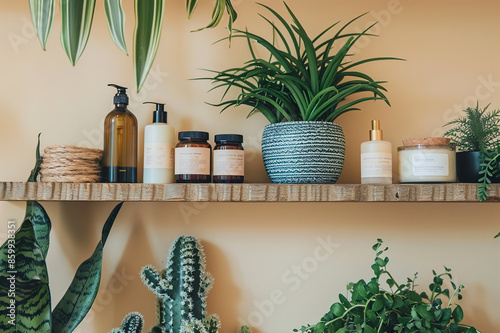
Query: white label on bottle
{"points": [[430, 164], [376, 165], [230, 162], [158, 155], [192, 161]]}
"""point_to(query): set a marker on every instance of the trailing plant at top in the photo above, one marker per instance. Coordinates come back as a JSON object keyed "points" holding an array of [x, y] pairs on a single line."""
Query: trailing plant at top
{"points": [[77, 17], [303, 80], [400, 309], [478, 129], [181, 289], [23, 264]]}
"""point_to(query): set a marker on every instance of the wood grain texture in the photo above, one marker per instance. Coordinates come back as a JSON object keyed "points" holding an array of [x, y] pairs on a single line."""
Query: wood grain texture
{"points": [[20, 191]]}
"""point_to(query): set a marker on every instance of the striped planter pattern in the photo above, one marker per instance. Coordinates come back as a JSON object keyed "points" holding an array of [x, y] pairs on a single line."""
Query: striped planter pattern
{"points": [[299, 152]]}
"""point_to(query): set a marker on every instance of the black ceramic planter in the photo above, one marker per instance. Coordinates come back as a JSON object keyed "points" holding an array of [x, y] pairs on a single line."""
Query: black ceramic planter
{"points": [[468, 167]]}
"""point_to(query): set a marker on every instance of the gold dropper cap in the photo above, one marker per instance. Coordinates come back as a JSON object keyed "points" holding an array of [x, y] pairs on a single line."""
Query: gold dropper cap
{"points": [[376, 132]]}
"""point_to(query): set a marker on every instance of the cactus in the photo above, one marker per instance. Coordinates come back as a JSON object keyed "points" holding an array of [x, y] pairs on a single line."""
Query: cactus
{"points": [[181, 290], [132, 323], [244, 329], [182, 287]]}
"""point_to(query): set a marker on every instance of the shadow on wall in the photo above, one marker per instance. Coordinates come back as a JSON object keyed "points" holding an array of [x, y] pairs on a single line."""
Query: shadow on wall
{"points": [[225, 296], [474, 309], [125, 292], [77, 227]]}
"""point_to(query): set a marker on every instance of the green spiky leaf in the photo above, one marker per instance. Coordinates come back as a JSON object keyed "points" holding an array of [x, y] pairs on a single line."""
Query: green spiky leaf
{"points": [[303, 79]]}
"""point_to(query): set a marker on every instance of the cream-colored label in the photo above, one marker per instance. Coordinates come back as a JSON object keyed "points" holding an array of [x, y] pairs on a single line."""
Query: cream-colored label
{"points": [[192, 161], [158, 155], [376, 165], [230, 162], [430, 164]]}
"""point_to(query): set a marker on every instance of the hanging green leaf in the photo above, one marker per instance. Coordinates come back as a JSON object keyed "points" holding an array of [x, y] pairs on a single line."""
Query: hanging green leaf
{"points": [[81, 294], [42, 15], [190, 7], [77, 16], [148, 25], [115, 17], [218, 13]]}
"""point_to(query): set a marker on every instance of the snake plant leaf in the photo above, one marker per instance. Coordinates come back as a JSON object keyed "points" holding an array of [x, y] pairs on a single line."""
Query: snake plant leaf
{"points": [[22, 264], [38, 163], [81, 294], [148, 25], [27, 268], [77, 16], [42, 15], [115, 17]]}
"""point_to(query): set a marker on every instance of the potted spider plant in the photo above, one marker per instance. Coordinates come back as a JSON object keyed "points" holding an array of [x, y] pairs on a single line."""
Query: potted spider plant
{"points": [[475, 134], [301, 88]]}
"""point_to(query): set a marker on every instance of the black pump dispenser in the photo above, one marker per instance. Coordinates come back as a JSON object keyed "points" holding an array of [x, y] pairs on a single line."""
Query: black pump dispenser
{"points": [[121, 94], [159, 115]]}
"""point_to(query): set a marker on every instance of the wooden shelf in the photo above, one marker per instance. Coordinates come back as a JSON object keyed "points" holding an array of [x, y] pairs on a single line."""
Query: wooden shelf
{"points": [[20, 191]]}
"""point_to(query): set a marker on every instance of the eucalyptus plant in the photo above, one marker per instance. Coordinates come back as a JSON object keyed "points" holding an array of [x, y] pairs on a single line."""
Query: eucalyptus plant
{"points": [[400, 308], [24, 280], [307, 78], [77, 17]]}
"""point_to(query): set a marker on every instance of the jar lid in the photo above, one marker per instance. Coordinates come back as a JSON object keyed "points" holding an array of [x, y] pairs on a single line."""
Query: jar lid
{"points": [[238, 138], [193, 135]]}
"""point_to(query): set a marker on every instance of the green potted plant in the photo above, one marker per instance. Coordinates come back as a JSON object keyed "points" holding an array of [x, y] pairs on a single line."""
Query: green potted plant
{"points": [[371, 308], [301, 88], [476, 136]]}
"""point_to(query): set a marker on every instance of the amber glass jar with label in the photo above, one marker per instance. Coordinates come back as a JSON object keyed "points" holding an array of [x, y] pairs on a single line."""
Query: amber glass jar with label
{"points": [[229, 159], [192, 157]]}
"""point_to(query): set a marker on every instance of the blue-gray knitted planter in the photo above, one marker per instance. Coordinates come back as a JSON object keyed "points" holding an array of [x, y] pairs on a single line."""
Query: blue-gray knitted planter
{"points": [[310, 152]]}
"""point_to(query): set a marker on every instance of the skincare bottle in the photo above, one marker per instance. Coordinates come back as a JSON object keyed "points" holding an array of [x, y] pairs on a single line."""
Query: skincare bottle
{"points": [[159, 145], [120, 142], [376, 158]]}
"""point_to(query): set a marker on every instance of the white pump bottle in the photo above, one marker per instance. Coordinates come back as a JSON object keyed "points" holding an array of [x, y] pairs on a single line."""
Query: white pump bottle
{"points": [[159, 145]]}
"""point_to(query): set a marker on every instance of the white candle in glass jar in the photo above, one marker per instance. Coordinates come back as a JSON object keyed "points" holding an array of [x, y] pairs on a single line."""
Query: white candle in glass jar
{"points": [[427, 164]]}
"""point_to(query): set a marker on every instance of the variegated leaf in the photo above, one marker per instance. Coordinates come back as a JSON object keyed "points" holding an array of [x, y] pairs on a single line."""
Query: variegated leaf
{"points": [[77, 16], [148, 25], [42, 15], [115, 17]]}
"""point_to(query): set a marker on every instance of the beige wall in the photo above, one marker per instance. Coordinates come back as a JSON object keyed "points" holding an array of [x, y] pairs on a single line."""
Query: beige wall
{"points": [[254, 250]]}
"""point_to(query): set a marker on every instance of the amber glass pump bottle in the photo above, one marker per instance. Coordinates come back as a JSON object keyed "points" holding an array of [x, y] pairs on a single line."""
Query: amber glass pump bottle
{"points": [[120, 142]]}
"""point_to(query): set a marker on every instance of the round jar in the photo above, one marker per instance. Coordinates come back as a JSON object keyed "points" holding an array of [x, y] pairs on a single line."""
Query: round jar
{"points": [[192, 157], [229, 159], [427, 163]]}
